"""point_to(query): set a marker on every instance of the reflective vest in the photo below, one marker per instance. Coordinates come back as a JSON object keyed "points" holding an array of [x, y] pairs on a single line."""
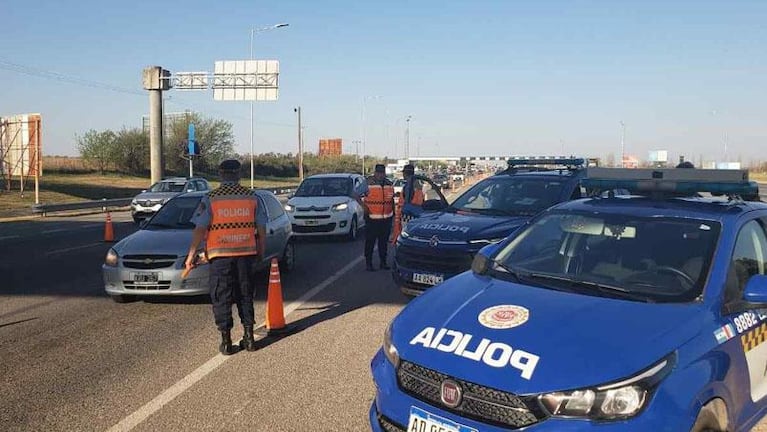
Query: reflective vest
{"points": [[232, 230], [380, 200]]}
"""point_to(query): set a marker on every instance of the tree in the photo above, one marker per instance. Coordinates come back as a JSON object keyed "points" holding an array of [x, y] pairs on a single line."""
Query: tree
{"points": [[98, 148], [214, 135], [132, 154]]}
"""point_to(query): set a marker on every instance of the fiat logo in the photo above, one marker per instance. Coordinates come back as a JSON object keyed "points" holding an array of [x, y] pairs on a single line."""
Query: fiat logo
{"points": [[450, 393], [434, 241]]}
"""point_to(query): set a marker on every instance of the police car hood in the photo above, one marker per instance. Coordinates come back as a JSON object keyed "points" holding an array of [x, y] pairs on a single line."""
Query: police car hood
{"points": [[156, 242], [556, 340], [317, 201], [155, 196], [457, 226]]}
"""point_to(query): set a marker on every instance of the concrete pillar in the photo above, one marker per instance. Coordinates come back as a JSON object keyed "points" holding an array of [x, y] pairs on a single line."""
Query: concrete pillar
{"points": [[155, 135]]}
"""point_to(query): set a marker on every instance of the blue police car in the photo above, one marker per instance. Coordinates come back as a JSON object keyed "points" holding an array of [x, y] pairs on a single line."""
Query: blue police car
{"points": [[440, 245], [614, 313]]}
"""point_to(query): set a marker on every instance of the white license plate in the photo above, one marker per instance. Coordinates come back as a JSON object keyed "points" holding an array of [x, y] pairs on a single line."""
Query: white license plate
{"points": [[145, 277], [423, 421], [428, 279], [312, 222]]}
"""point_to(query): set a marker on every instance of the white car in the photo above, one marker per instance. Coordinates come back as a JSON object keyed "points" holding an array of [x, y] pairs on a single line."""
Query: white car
{"points": [[324, 204]]}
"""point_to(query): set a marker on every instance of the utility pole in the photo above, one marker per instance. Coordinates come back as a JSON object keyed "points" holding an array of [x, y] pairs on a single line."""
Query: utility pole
{"points": [[407, 137], [623, 143], [300, 146], [155, 80]]}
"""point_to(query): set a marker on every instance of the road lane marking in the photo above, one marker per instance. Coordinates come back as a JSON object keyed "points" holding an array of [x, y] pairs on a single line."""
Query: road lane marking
{"points": [[156, 404], [9, 237], [52, 231], [58, 251], [91, 226]]}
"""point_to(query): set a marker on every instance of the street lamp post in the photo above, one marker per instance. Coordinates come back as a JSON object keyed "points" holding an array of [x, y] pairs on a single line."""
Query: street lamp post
{"points": [[363, 129], [407, 137], [253, 32], [623, 143]]}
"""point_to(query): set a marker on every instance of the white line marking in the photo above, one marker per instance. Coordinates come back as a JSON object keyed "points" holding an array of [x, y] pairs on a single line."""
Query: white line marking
{"points": [[9, 237], [151, 407], [58, 251], [54, 231], [91, 226]]}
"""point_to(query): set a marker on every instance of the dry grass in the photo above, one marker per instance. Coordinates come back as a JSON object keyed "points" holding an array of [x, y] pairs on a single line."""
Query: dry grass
{"points": [[63, 188], [759, 177]]}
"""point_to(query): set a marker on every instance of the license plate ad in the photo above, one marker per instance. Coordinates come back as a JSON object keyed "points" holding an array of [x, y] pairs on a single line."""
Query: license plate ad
{"points": [[145, 277], [312, 222], [428, 279], [422, 421]]}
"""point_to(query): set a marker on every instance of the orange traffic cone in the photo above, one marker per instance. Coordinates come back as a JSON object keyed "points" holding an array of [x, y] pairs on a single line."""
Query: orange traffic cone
{"points": [[109, 232], [397, 228], [275, 314]]}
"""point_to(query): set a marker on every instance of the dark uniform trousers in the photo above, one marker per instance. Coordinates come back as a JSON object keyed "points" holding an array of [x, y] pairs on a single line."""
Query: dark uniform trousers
{"points": [[377, 230], [232, 281]]}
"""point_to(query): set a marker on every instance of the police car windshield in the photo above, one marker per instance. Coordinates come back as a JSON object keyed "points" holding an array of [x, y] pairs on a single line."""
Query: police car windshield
{"points": [[660, 259], [175, 214], [511, 195], [167, 187], [331, 186]]}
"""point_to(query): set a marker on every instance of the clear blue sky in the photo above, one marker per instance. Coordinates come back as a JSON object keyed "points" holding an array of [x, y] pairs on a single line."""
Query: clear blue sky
{"points": [[478, 77]]}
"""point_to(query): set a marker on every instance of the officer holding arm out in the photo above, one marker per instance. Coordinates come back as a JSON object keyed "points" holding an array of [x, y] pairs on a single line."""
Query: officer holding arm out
{"points": [[231, 220]]}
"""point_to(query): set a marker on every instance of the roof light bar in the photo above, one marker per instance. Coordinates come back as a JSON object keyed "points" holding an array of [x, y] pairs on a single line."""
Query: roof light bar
{"points": [[545, 160], [671, 180]]}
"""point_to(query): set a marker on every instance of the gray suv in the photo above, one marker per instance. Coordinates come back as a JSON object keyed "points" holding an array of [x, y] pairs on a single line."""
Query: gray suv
{"points": [[145, 204]]}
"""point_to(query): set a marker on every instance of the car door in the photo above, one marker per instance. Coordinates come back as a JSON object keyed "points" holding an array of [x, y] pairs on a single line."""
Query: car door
{"points": [[358, 191], [745, 331]]}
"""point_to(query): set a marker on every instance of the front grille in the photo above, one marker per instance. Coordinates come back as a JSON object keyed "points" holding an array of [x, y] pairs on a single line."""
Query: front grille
{"points": [[314, 228], [433, 259], [148, 262], [313, 217], [306, 209], [480, 403], [388, 425], [149, 203], [161, 285]]}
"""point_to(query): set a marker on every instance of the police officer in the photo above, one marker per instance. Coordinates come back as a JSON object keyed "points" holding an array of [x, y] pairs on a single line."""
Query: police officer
{"points": [[379, 213], [231, 219], [412, 194]]}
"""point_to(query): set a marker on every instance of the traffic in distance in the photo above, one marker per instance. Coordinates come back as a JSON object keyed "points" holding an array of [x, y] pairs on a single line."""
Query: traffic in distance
{"points": [[660, 275]]}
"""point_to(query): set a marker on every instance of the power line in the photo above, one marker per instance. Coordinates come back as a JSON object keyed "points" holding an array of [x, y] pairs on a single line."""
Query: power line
{"points": [[52, 75]]}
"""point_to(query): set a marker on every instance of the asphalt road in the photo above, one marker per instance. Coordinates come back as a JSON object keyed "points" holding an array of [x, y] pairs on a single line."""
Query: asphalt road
{"points": [[72, 360]]}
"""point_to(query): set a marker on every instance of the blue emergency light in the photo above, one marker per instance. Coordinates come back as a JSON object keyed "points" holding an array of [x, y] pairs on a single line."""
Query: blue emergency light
{"points": [[545, 160], [673, 181]]}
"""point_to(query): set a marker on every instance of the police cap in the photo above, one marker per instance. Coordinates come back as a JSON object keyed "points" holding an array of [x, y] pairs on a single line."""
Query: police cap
{"points": [[380, 168], [229, 165]]}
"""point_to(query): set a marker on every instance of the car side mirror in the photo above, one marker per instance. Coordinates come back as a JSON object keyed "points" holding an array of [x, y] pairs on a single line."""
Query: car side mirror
{"points": [[482, 261], [143, 191], [756, 290], [433, 205]]}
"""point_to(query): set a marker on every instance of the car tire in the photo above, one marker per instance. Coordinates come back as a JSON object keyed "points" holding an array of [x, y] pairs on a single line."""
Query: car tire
{"points": [[711, 418], [288, 260], [353, 229], [119, 298]]}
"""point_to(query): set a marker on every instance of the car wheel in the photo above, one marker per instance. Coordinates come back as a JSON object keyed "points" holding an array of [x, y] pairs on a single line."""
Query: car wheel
{"points": [[711, 418], [118, 298], [288, 260], [352, 229]]}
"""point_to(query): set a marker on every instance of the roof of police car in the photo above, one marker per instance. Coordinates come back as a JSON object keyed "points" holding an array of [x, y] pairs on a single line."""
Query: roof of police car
{"points": [[683, 207]]}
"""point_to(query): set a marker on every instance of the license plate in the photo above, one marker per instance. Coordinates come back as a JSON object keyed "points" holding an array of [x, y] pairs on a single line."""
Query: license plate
{"points": [[312, 222], [146, 277], [428, 279], [423, 421]]}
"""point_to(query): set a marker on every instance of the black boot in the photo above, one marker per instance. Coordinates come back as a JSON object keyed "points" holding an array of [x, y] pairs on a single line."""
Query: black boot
{"points": [[248, 343], [384, 265], [226, 343]]}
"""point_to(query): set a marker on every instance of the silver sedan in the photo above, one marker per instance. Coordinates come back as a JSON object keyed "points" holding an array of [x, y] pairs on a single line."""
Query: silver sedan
{"points": [[151, 260]]}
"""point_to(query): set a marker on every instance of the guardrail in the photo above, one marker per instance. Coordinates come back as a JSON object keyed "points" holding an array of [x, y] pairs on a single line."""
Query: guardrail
{"points": [[104, 204]]}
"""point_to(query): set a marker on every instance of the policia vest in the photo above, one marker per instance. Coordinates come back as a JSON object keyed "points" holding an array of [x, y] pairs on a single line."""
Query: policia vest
{"points": [[232, 230], [380, 199]]}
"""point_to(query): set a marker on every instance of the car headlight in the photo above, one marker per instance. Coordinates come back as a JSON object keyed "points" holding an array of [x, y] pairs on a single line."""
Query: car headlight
{"points": [[613, 401], [390, 351], [289, 208], [487, 241], [134, 202], [111, 258], [340, 207]]}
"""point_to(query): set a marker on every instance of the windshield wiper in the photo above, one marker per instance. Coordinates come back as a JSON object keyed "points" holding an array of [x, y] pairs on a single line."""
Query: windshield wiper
{"points": [[611, 290], [495, 211], [162, 225]]}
